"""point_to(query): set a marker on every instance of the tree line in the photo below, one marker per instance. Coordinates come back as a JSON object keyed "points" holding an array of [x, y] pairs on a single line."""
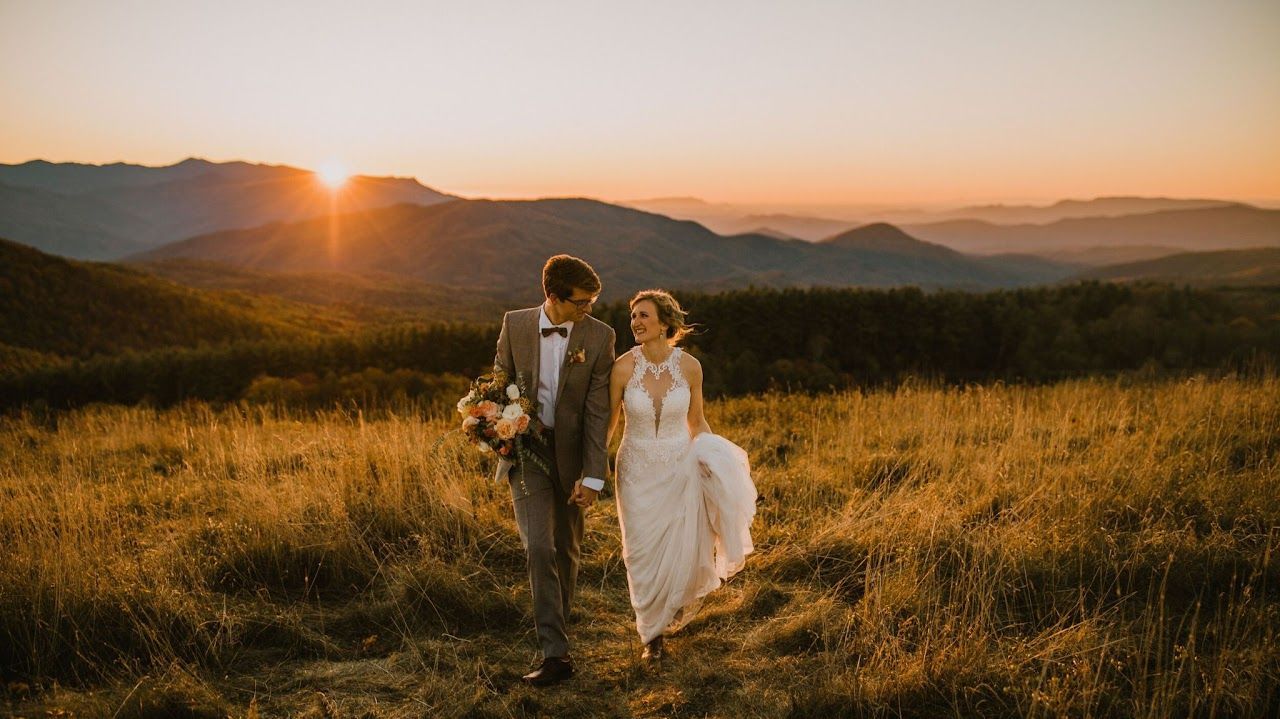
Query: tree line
{"points": [[749, 340], [752, 340], [410, 360]]}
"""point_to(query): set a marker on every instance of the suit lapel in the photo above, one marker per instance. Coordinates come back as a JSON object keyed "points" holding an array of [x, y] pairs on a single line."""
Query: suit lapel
{"points": [[575, 342], [533, 345]]}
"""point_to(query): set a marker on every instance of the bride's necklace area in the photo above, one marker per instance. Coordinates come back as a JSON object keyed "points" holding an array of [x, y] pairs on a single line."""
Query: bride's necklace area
{"points": [[659, 363]]}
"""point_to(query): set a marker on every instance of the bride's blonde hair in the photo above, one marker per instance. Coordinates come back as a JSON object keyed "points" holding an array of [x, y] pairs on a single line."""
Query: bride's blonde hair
{"points": [[670, 313]]}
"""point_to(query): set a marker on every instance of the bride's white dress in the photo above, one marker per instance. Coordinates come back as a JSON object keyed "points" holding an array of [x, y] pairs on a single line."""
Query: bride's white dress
{"points": [[685, 506]]}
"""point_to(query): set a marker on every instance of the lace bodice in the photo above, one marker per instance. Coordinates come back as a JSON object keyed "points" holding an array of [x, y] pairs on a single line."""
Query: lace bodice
{"points": [[656, 404]]}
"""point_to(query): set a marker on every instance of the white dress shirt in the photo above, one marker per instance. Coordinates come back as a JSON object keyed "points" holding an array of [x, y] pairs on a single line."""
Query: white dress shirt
{"points": [[552, 349]]}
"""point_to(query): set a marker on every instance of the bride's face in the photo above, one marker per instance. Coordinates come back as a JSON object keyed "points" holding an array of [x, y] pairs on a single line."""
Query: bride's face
{"points": [[644, 322]]}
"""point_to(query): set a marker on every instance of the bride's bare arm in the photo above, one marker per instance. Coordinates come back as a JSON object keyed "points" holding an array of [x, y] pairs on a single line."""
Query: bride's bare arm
{"points": [[622, 368], [692, 370]]}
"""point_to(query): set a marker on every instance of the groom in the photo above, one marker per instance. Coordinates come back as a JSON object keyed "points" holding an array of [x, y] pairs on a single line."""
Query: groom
{"points": [[563, 355]]}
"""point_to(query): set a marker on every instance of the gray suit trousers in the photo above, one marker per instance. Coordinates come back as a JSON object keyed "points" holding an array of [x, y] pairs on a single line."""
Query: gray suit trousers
{"points": [[551, 531]]}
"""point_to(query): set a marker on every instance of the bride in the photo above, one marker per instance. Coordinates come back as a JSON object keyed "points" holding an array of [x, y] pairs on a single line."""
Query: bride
{"points": [[685, 496]]}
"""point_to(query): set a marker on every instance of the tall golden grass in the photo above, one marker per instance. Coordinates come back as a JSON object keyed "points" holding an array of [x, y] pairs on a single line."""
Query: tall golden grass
{"points": [[1093, 548]]}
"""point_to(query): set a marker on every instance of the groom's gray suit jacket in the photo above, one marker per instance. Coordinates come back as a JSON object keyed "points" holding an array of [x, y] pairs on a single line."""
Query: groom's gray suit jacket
{"points": [[582, 407]]}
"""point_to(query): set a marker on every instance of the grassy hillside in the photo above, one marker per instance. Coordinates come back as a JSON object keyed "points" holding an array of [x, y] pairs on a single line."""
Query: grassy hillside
{"points": [[77, 309], [1085, 549]]}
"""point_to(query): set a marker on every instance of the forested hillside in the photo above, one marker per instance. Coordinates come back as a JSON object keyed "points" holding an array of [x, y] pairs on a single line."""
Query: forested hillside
{"points": [[371, 297], [55, 306], [750, 340]]}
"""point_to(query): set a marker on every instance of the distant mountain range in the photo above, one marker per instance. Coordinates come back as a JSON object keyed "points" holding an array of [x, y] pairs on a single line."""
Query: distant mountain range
{"points": [[1102, 255], [1060, 210], [500, 246], [109, 211], [472, 242], [826, 221], [1251, 267], [1209, 228], [276, 230], [797, 226], [727, 219]]}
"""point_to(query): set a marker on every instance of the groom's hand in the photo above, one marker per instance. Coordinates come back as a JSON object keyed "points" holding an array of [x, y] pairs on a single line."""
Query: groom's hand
{"points": [[582, 496]]}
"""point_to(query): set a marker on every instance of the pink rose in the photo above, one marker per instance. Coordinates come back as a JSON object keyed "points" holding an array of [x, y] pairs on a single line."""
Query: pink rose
{"points": [[522, 424], [506, 429], [489, 409]]}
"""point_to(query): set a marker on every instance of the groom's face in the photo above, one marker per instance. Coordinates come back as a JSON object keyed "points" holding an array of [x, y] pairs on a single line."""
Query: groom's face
{"points": [[576, 306]]}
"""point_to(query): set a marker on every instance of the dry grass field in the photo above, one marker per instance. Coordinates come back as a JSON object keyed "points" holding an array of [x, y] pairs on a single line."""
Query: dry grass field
{"points": [[1093, 548]]}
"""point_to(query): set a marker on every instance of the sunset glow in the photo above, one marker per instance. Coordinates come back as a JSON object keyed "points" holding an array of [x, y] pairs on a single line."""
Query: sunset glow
{"points": [[806, 102], [332, 174]]}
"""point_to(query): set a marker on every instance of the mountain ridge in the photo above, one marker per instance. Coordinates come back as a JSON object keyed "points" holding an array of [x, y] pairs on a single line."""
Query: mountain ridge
{"points": [[884, 237], [816, 223], [1238, 267], [1231, 226], [479, 242], [83, 205]]}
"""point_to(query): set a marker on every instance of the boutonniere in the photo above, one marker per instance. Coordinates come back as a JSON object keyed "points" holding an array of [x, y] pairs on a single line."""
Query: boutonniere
{"points": [[577, 356]]}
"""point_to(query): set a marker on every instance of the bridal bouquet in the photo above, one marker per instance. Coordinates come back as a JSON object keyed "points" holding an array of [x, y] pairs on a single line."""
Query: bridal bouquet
{"points": [[498, 416]]}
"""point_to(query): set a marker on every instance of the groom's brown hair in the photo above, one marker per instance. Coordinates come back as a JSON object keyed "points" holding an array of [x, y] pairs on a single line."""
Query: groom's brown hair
{"points": [[563, 273]]}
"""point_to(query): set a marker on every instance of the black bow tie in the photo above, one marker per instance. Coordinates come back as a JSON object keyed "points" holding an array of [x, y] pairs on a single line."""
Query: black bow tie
{"points": [[548, 331]]}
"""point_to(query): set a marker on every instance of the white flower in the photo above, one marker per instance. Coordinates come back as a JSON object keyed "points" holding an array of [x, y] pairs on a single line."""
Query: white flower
{"points": [[513, 392], [512, 412], [484, 447], [464, 404], [470, 422]]}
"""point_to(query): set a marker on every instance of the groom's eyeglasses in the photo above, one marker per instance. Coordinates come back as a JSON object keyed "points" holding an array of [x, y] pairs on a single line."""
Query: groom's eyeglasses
{"points": [[583, 304]]}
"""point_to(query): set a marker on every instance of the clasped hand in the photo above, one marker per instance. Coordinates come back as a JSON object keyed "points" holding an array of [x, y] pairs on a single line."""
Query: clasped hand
{"points": [[582, 496]]}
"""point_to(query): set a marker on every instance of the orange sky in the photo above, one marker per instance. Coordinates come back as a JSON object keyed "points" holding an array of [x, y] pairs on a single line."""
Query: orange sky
{"points": [[807, 102]]}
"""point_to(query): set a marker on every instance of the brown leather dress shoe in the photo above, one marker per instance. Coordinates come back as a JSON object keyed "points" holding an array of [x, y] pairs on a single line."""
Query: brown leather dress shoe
{"points": [[553, 671], [652, 650]]}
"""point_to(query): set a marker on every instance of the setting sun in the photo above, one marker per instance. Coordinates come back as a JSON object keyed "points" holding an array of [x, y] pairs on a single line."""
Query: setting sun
{"points": [[332, 174]]}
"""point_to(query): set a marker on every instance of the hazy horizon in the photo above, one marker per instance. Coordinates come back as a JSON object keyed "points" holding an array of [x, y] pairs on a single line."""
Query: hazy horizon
{"points": [[812, 104], [762, 206]]}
